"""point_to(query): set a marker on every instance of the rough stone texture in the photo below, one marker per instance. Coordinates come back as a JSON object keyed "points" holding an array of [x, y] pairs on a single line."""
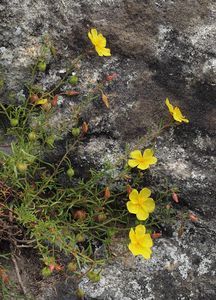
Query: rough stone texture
{"points": [[160, 49]]}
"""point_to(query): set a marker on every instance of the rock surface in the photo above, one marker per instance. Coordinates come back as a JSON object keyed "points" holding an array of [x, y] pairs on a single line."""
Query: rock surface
{"points": [[159, 49]]}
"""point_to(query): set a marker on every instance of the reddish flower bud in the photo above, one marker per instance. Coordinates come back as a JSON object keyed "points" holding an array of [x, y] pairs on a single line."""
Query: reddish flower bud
{"points": [[34, 98], [80, 214], [59, 267], [156, 235], [52, 267], [111, 76], [175, 198], [70, 93], [193, 217], [107, 193], [85, 127], [129, 189], [100, 218], [54, 101]]}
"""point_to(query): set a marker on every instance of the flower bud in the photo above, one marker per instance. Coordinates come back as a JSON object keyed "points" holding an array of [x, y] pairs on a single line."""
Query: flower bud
{"points": [[156, 235], [80, 214], [50, 140], [80, 294], [46, 272], [85, 127], [129, 189], [34, 98], [41, 66], [72, 266], [70, 172], [73, 80], [107, 193], [80, 238], [21, 167], [75, 131], [93, 276], [175, 198], [52, 267], [32, 136], [193, 217], [101, 218], [14, 122]]}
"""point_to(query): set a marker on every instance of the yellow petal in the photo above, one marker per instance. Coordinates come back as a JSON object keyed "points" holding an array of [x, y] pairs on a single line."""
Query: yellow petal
{"points": [[134, 196], [41, 101], [99, 51], [145, 193], [134, 249], [132, 163], [177, 115], [149, 205], [143, 166], [94, 33], [136, 154], [132, 208], [148, 241], [169, 105], [101, 41], [146, 253], [140, 230], [132, 236], [152, 160], [106, 52], [148, 153], [142, 214], [105, 99]]}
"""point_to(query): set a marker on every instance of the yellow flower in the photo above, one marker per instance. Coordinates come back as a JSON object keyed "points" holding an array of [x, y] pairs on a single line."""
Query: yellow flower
{"points": [[175, 112], [140, 203], [99, 41], [41, 102], [141, 242], [142, 161]]}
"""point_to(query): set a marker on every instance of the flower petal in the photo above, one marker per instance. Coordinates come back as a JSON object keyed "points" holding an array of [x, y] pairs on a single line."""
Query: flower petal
{"points": [[152, 160], [136, 154], [132, 163], [133, 196], [41, 101], [140, 230], [94, 33], [106, 52], [148, 153], [169, 105], [134, 248], [149, 205], [132, 208], [177, 115], [142, 214], [148, 241], [145, 193], [146, 253], [132, 236], [99, 50], [101, 41], [143, 166]]}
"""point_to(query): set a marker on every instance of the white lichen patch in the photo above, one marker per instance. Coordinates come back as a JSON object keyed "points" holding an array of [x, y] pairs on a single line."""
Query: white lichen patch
{"points": [[204, 266], [106, 150]]}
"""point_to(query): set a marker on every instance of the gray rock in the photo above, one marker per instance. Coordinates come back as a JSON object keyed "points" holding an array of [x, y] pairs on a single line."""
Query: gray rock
{"points": [[159, 49]]}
